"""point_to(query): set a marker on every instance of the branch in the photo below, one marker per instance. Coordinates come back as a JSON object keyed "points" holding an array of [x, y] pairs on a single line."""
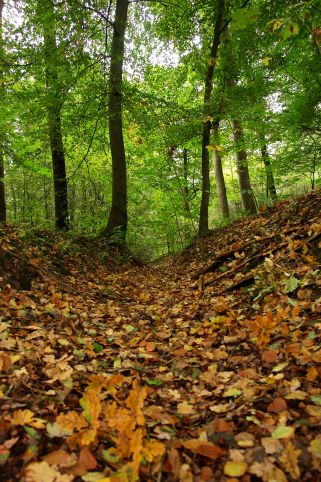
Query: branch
{"points": [[98, 12]]}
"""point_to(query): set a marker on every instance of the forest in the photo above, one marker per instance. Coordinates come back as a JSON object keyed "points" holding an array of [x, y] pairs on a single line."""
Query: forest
{"points": [[156, 121], [160, 240]]}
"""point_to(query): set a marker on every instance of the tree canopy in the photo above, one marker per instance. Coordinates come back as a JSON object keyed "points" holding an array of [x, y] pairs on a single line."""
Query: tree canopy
{"points": [[141, 125]]}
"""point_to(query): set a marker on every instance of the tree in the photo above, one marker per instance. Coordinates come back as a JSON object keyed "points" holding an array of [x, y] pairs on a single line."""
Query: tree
{"points": [[206, 185], [219, 175], [246, 191], [3, 211], [118, 217], [54, 106]]}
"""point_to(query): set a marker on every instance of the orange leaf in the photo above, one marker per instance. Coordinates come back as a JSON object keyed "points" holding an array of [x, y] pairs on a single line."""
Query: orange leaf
{"points": [[269, 356]]}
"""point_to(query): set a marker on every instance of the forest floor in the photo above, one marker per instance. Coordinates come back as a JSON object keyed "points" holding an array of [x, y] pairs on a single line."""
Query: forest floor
{"points": [[205, 366]]}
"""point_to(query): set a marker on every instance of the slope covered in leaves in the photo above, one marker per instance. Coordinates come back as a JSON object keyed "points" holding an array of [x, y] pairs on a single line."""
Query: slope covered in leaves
{"points": [[203, 367]]}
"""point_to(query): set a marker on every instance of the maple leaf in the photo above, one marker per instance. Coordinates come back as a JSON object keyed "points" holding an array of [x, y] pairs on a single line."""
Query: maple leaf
{"points": [[289, 459], [26, 417], [43, 472]]}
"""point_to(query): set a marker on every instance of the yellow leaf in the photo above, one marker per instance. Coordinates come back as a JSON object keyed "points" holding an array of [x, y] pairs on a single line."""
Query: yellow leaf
{"points": [[188, 348], [71, 421], [42, 472], [210, 148], [135, 402], [152, 450], [27, 417], [91, 404], [266, 61], [235, 468], [289, 460]]}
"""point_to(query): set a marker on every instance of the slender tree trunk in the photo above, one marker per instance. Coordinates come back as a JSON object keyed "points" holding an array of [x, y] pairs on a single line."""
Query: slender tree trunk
{"points": [[246, 192], [54, 104], [118, 214], [219, 177], [206, 186], [270, 185], [3, 210]]}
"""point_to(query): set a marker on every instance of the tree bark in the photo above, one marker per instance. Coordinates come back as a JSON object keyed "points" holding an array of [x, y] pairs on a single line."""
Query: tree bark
{"points": [[207, 124], [3, 210], [270, 185], [246, 192], [219, 177], [54, 106], [118, 218]]}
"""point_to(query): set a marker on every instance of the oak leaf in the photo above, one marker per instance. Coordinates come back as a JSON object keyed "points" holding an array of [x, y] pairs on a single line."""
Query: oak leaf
{"points": [[289, 459], [135, 402]]}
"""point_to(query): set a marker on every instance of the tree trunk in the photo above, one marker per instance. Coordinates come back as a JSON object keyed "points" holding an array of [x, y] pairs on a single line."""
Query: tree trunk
{"points": [[206, 186], [117, 222], [3, 210], [270, 185], [54, 104], [219, 177], [246, 192]]}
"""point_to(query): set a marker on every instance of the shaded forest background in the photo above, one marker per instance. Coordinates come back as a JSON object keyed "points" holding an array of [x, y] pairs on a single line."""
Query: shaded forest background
{"points": [[212, 108]]}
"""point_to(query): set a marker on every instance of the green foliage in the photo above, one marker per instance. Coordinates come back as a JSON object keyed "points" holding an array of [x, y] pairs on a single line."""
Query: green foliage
{"points": [[275, 65]]}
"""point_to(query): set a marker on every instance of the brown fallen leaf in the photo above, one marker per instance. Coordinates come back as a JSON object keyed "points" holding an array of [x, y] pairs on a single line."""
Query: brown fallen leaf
{"points": [[207, 449]]}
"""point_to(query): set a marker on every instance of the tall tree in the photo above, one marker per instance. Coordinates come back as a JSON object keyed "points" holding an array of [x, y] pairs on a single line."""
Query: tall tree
{"points": [[54, 108], [3, 215], [246, 191], [118, 217], [207, 124], [219, 175]]}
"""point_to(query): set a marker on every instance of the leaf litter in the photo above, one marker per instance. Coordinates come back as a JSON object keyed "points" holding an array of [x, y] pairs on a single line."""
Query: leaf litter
{"points": [[201, 367]]}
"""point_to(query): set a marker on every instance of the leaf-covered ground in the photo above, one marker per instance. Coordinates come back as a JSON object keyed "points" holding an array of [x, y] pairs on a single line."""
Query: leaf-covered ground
{"points": [[202, 367]]}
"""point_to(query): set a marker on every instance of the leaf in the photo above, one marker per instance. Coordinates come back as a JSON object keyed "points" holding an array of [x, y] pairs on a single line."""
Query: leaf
{"points": [[207, 449], [184, 408], [266, 61], [232, 392], [60, 458], [289, 460], [316, 399], [290, 30], [91, 405], [42, 472], [153, 449], [210, 148], [315, 447], [277, 405], [283, 432], [235, 468], [98, 348], [27, 417], [155, 383], [135, 402], [291, 284]]}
